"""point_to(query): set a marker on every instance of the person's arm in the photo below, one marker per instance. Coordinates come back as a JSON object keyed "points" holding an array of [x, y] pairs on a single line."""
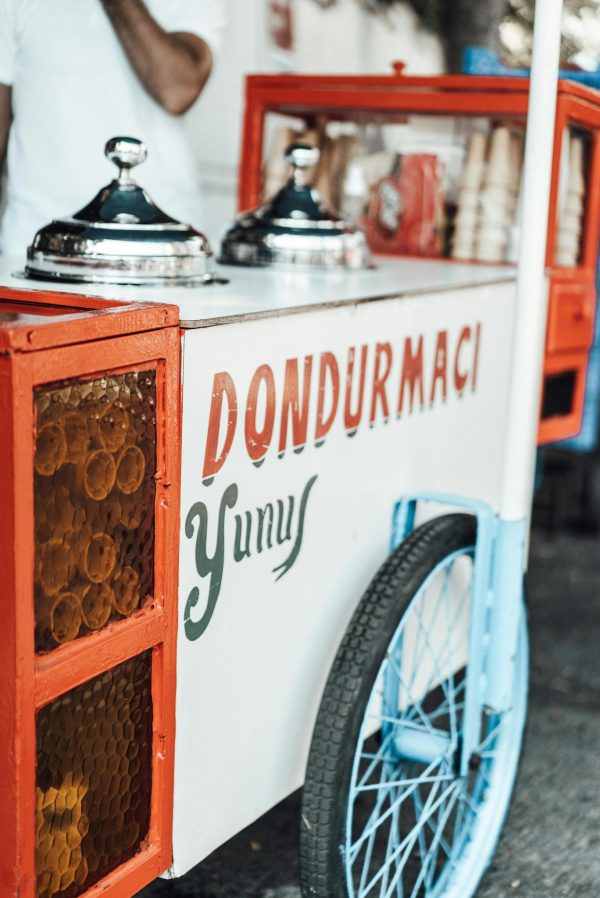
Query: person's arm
{"points": [[5, 119], [173, 67]]}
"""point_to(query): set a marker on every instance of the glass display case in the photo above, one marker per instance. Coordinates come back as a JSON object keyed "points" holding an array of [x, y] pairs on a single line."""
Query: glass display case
{"points": [[432, 167]]}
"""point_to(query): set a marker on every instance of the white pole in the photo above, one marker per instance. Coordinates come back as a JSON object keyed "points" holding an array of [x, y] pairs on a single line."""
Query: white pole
{"points": [[532, 300]]}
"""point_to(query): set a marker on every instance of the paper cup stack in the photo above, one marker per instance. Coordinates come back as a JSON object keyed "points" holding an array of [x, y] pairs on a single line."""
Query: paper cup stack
{"points": [[488, 196], [571, 214], [465, 228], [498, 198]]}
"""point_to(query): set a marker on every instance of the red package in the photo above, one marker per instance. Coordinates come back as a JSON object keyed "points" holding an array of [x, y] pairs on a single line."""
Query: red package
{"points": [[404, 214]]}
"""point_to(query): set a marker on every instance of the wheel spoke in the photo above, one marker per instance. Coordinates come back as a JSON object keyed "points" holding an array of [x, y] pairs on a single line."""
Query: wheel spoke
{"points": [[416, 704], [492, 735], [442, 710], [418, 781], [437, 672], [392, 841], [423, 849], [468, 801], [377, 758], [430, 825], [416, 662], [459, 835], [452, 700], [407, 845], [449, 648], [369, 847], [375, 823], [434, 847]]}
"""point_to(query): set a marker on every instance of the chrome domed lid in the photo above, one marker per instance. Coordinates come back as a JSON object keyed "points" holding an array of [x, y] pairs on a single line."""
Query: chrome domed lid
{"points": [[121, 237], [295, 227]]}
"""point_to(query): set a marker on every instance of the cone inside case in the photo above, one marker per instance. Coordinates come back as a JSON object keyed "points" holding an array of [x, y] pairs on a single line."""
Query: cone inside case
{"points": [[121, 237], [295, 228]]}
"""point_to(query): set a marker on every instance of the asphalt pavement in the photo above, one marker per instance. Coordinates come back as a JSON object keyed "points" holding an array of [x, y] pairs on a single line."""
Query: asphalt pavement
{"points": [[551, 844]]}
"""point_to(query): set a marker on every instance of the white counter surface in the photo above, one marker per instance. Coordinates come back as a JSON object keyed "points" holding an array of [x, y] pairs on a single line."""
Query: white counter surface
{"points": [[255, 292]]}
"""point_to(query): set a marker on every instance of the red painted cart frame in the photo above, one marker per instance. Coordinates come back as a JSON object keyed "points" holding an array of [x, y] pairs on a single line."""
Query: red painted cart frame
{"points": [[53, 337], [572, 298]]}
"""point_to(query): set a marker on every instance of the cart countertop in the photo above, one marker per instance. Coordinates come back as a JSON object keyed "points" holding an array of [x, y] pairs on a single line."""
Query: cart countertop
{"points": [[258, 292]]}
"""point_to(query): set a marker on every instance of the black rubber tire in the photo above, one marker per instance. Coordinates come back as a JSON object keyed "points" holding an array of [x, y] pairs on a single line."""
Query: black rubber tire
{"points": [[347, 692]]}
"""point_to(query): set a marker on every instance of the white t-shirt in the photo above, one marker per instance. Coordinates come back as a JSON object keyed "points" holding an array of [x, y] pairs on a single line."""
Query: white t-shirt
{"points": [[72, 89]]}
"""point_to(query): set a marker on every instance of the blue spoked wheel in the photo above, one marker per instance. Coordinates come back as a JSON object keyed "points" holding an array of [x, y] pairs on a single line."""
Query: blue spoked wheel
{"points": [[386, 813]]}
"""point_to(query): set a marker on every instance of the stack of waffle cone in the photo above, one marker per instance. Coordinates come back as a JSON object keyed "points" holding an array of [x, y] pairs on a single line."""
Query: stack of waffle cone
{"points": [[570, 220], [61, 617], [113, 426], [98, 557], [89, 492], [126, 591], [76, 435], [97, 603], [488, 195], [52, 566], [96, 473], [131, 467], [463, 243], [498, 199], [50, 449]]}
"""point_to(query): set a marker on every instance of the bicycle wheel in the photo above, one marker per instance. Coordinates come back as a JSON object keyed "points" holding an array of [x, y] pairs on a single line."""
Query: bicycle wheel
{"points": [[385, 810]]}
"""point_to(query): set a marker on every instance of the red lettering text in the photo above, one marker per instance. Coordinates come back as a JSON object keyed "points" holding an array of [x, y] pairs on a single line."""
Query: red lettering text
{"points": [[213, 459], [379, 380], [412, 375], [352, 419], [327, 365], [258, 441], [291, 401], [440, 367]]}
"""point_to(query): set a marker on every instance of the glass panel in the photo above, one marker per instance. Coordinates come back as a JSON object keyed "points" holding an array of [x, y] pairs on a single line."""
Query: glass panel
{"points": [[94, 761], [94, 466], [419, 185]]}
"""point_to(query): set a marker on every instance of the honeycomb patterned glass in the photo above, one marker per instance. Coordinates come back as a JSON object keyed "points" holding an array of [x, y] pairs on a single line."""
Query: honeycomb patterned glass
{"points": [[93, 785], [94, 466]]}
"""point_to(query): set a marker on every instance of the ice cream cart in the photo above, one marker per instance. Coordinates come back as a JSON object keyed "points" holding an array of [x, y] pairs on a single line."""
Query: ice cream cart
{"points": [[201, 486]]}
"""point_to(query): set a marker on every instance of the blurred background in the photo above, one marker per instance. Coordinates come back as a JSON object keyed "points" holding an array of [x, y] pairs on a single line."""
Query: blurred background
{"points": [[356, 37]]}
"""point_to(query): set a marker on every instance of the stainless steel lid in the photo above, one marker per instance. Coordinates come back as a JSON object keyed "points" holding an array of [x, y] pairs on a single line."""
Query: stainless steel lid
{"points": [[121, 237], [295, 227]]}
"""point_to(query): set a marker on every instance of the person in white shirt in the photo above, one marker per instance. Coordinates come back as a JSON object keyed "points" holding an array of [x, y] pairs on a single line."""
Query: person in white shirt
{"points": [[74, 73]]}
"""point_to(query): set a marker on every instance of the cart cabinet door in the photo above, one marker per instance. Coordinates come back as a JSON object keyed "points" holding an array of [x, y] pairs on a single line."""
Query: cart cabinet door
{"points": [[89, 614], [300, 433]]}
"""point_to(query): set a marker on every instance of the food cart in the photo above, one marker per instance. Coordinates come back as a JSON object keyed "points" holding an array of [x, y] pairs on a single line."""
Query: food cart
{"points": [[201, 612]]}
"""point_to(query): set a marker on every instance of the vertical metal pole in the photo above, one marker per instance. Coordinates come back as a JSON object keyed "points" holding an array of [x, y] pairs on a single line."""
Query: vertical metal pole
{"points": [[532, 299]]}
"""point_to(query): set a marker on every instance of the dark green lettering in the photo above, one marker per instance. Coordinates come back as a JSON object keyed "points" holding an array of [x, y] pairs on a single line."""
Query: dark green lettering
{"points": [[205, 564], [289, 561]]}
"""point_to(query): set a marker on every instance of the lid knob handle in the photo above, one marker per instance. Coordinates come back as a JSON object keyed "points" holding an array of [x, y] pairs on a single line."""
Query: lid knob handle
{"points": [[301, 157], [125, 152]]}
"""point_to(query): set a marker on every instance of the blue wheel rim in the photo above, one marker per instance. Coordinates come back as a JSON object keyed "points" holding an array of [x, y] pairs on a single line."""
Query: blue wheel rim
{"points": [[414, 827]]}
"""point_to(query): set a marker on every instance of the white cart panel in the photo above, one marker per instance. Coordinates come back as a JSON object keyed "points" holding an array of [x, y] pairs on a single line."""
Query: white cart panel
{"points": [[249, 684]]}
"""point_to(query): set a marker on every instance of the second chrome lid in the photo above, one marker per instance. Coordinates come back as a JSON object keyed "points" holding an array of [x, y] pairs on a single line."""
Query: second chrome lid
{"points": [[295, 228]]}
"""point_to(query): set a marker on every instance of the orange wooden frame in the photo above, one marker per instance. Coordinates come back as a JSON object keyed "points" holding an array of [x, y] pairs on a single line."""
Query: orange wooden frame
{"points": [[551, 429], [82, 318], [31, 681], [392, 96]]}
